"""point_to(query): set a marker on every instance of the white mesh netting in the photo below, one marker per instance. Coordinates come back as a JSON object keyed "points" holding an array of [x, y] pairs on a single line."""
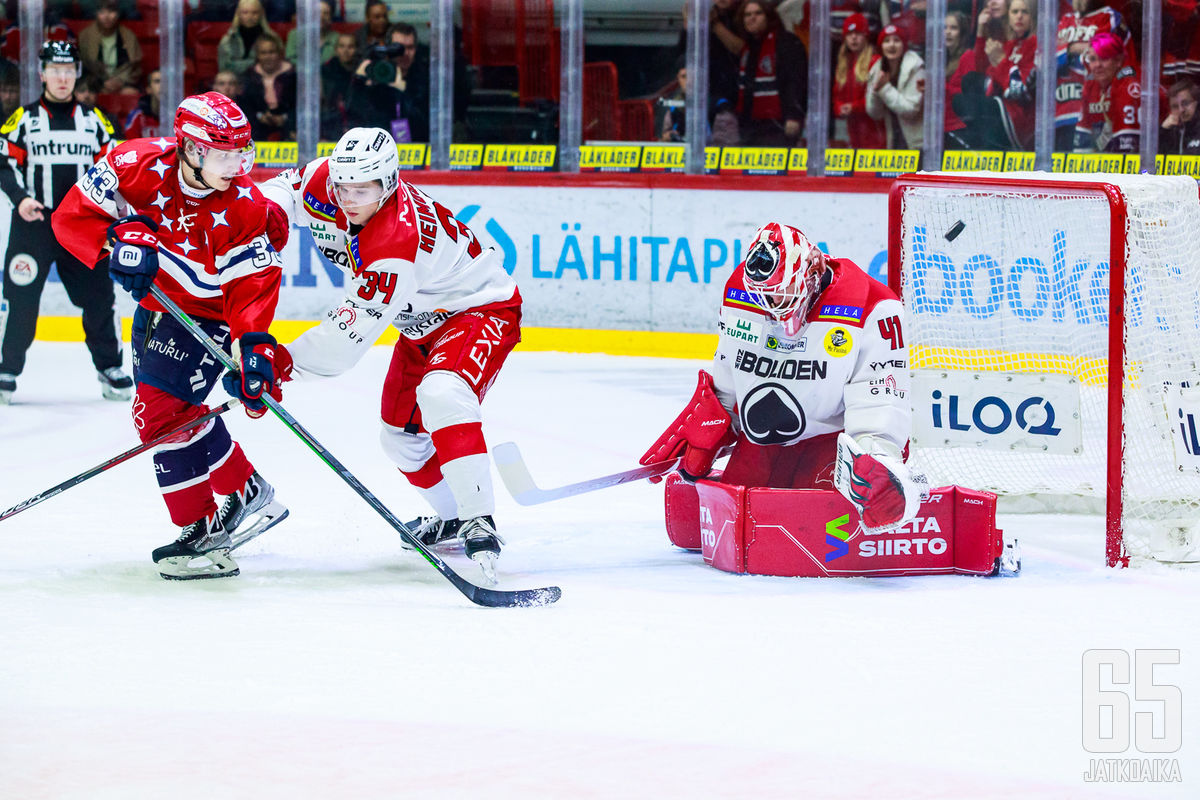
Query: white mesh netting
{"points": [[1009, 286]]}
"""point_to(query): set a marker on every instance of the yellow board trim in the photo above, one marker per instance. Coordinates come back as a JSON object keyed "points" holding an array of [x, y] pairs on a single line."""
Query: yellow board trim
{"points": [[1089, 371], [660, 344]]}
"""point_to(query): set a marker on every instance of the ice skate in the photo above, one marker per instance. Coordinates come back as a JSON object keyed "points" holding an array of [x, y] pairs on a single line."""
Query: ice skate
{"points": [[482, 544], [251, 511], [201, 551], [115, 384], [8, 385], [435, 533]]}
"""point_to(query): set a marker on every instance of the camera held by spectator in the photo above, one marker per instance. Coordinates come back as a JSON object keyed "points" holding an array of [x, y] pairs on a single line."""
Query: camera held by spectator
{"points": [[381, 66]]}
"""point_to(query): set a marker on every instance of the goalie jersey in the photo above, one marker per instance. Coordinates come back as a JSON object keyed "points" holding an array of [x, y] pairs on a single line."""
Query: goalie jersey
{"points": [[845, 369]]}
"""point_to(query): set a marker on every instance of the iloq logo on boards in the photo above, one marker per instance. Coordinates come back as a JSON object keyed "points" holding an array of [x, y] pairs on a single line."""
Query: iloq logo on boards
{"points": [[996, 411]]}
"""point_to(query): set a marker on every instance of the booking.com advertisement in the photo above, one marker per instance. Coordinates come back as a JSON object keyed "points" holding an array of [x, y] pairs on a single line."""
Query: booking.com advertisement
{"points": [[607, 258]]}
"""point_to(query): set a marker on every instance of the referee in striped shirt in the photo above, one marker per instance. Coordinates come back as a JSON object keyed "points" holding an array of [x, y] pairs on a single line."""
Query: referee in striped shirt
{"points": [[46, 147]]}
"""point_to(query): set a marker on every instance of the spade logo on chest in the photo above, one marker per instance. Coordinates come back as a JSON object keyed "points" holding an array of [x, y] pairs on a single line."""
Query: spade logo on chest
{"points": [[771, 415]]}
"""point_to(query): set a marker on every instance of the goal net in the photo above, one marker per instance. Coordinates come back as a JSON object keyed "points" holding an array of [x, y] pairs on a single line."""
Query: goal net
{"points": [[1054, 338]]}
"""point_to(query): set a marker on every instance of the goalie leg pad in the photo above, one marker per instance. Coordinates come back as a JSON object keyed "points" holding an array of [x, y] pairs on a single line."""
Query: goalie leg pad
{"points": [[815, 533], [682, 507]]}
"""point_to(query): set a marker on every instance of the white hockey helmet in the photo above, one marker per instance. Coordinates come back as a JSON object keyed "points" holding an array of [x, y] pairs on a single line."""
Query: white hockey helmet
{"points": [[783, 270], [363, 156]]}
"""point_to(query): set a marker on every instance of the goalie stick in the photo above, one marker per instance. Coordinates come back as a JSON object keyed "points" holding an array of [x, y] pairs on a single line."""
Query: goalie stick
{"points": [[112, 462], [476, 594], [521, 486]]}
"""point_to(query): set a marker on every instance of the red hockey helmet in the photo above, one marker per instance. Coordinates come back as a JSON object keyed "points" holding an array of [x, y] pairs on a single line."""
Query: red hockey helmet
{"points": [[783, 270], [216, 126]]}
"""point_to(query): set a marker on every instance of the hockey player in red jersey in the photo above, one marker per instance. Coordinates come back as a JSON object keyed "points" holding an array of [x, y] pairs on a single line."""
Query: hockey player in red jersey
{"points": [[411, 264], [810, 372], [181, 214], [1112, 100]]}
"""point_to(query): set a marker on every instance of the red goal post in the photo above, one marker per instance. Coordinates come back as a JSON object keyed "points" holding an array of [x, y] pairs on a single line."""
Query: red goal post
{"points": [[1054, 337]]}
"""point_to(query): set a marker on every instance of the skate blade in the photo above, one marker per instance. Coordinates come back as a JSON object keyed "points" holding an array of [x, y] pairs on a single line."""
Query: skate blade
{"points": [[5, 398], [450, 545], [213, 564], [116, 394], [258, 523], [487, 563]]}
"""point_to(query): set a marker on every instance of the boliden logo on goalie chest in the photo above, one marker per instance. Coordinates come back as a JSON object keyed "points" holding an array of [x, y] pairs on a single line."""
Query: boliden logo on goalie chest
{"points": [[794, 369]]}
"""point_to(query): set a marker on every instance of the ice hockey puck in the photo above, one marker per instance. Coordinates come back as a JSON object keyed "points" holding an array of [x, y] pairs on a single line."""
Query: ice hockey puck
{"points": [[955, 230]]}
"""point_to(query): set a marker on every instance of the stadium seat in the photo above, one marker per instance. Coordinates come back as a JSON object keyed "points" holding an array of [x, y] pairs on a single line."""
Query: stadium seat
{"points": [[117, 106], [148, 37], [637, 120], [601, 119]]}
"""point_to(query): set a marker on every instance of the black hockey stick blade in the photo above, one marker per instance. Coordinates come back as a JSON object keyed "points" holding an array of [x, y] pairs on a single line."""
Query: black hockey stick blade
{"points": [[476, 594], [112, 462], [520, 484]]}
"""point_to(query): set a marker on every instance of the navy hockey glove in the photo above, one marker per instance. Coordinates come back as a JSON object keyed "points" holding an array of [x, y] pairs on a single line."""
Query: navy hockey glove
{"points": [[133, 262], [264, 365]]}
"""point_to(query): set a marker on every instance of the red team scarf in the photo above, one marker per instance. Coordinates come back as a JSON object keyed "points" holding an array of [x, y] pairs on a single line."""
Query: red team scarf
{"points": [[764, 101]]}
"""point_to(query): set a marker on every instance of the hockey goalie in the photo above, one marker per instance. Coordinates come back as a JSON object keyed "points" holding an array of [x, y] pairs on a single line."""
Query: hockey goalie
{"points": [[809, 385]]}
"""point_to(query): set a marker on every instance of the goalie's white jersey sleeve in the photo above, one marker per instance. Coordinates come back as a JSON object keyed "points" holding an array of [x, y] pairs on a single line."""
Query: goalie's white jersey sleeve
{"points": [[846, 369], [413, 265]]}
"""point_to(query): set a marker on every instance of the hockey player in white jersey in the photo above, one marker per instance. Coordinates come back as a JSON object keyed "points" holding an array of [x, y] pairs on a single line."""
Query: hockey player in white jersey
{"points": [[411, 264], [809, 383]]}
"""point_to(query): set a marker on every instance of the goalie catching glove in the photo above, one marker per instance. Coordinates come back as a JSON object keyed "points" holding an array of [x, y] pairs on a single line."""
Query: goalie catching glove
{"points": [[265, 364], [880, 486], [700, 430]]}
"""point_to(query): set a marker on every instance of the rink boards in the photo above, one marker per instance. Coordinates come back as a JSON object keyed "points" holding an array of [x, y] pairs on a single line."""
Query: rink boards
{"points": [[629, 270]]}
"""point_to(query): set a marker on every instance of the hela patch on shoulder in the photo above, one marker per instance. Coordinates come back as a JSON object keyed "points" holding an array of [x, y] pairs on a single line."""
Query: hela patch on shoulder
{"points": [[325, 211], [352, 252], [740, 298], [832, 313]]}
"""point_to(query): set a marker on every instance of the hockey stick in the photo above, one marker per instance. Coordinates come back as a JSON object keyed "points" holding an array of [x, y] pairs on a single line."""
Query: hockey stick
{"points": [[112, 462], [521, 486], [476, 594]]}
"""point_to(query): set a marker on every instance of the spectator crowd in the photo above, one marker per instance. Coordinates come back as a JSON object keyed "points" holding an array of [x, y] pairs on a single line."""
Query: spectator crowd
{"points": [[372, 73], [878, 88], [376, 72]]}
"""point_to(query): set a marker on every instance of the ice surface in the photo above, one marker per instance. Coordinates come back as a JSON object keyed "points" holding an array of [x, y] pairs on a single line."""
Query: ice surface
{"points": [[338, 665]]}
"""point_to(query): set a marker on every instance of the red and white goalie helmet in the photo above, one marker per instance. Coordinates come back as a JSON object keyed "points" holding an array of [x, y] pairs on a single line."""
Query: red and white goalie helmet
{"points": [[783, 270], [214, 133]]}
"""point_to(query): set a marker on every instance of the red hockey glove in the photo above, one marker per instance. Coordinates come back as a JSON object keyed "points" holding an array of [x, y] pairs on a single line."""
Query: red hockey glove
{"points": [[701, 429], [265, 365], [885, 493], [278, 226]]}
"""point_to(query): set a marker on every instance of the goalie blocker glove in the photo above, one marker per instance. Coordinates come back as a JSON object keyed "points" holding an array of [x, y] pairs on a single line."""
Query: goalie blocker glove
{"points": [[700, 430], [264, 365], [133, 262], [881, 487]]}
